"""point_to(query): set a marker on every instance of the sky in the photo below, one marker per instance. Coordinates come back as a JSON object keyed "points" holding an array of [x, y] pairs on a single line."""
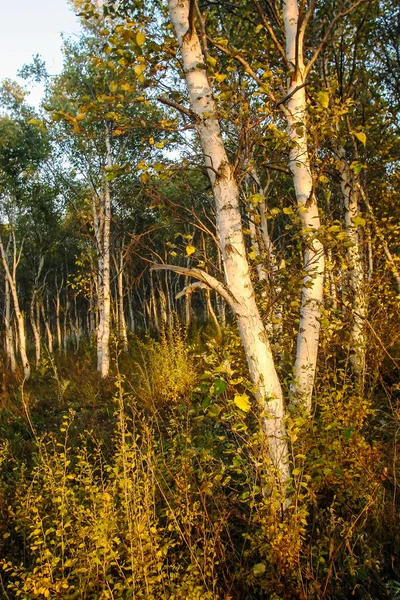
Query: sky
{"points": [[29, 27]]}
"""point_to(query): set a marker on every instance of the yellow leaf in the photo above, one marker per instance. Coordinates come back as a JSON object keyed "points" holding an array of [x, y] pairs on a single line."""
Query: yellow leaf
{"points": [[220, 77], [139, 69], [190, 250], [127, 87], [140, 38], [242, 402], [360, 135], [323, 99], [151, 141]]}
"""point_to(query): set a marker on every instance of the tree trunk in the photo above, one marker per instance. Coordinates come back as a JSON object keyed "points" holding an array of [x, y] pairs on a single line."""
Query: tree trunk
{"points": [[47, 328], [123, 335], [314, 261], [35, 328], [11, 277], [102, 221], [10, 352], [229, 226], [355, 268]]}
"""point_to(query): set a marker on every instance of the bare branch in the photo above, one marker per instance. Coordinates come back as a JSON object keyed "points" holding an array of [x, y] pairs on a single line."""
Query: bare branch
{"points": [[292, 93], [271, 32], [330, 29], [189, 289], [248, 69], [176, 105], [204, 277]]}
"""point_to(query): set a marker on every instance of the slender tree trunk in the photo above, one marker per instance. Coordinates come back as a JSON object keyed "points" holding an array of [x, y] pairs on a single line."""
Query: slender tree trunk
{"points": [[221, 306], [314, 262], [35, 329], [379, 233], [58, 313], [230, 232], [123, 335], [47, 328], [10, 352], [130, 312], [102, 222], [153, 306], [65, 322], [355, 267]]}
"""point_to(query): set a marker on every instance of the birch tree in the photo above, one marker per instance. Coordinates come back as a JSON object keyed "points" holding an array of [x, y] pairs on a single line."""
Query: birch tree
{"points": [[238, 289]]}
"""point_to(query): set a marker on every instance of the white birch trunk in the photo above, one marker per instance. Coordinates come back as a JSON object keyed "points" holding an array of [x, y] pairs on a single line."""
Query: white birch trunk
{"points": [[35, 329], [123, 335], [10, 352], [355, 267], [11, 277], [47, 328], [314, 261], [229, 225], [102, 221], [106, 296], [57, 303]]}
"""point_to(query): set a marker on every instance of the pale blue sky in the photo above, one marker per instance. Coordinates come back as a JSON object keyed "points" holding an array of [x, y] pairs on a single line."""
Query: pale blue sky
{"points": [[29, 27]]}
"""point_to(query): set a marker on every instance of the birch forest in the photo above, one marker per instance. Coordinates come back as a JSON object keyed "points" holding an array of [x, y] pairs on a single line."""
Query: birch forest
{"points": [[199, 305]]}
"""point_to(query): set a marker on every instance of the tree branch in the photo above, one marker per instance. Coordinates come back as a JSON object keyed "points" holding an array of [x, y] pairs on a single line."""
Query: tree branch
{"points": [[271, 32], [189, 289], [177, 106], [292, 93], [204, 277], [331, 27]]}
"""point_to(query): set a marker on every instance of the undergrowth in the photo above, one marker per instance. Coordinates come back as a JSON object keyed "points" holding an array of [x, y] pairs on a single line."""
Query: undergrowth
{"points": [[154, 485]]}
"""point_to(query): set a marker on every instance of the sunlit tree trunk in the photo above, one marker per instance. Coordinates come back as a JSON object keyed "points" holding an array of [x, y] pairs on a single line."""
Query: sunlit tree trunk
{"points": [[299, 163], [351, 198], [10, 352], [35, 327], [230, 233], [101, 205], [11, 277], [47, 327], [57, 303]]}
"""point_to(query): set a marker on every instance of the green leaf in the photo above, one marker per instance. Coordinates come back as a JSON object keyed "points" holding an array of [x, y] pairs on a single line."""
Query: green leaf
{"points": [[219, 386], [214, 410], [359, 221], [323, 99], [259, 569], [348, 433], [356, 167], [256, 199], [242, 402]]}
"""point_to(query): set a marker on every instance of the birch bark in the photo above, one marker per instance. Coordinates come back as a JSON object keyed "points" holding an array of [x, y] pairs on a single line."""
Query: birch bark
{"points": [[101, 206], [230, 233], [11, 277], [10, 352], [299, 164], [351, 198]]}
